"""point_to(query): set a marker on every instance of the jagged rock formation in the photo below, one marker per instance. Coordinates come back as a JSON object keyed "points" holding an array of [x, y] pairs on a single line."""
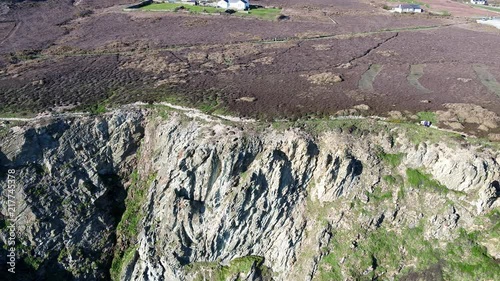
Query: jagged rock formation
{"points": [[69, 192], [210, 199]]}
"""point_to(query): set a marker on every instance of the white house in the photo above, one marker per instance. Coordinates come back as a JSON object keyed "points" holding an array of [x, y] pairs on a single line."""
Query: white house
{"points": [[234, 4], [479, 2], [408, 8]]}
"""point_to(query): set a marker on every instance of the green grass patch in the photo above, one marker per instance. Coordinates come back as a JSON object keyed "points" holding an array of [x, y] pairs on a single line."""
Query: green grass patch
{"points": [[26, 255], [418, 134], [392, 160], [334, 271], [378, 195], [410, 2], [494, 216], [172, 7], [379, 249], [460, 259], [262, 13], [467, 260], [33, 262], [240, 265], [97, 108], [120, 261], [494, 221], [129, 225], [428, 116], [360, 127], [216, 272], [396, 181], [63, 254], [316, 126], [391, 180], [419, 179]]}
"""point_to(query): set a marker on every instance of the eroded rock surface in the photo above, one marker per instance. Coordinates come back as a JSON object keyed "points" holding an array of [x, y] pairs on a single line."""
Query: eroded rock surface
{"points": [[210, 199]]}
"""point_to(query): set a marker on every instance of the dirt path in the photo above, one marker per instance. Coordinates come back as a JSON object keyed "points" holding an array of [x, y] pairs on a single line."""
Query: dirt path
{"points": [[192, 112], [11, 32]]}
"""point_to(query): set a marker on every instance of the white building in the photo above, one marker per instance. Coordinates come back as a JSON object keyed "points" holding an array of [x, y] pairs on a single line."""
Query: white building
{"points": [[408, 8], [479, 2], [239, 5]]}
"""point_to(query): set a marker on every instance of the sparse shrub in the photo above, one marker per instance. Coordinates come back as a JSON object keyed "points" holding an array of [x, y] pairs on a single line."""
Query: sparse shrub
{"points": [[180, 8], [32, 261], [19, 56], [282, 17], [98, 109]]}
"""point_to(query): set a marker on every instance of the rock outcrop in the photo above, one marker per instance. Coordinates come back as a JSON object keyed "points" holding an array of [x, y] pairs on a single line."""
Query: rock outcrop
{"points": [[218, 200], [69, 192]]}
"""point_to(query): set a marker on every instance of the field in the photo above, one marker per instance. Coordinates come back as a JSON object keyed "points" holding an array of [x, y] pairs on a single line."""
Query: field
{"points": [[173, 7], [263, 13], [326, 58]]}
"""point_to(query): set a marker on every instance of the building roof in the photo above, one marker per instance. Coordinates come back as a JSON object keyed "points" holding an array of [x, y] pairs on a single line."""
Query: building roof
{"points": [[409, 6]]}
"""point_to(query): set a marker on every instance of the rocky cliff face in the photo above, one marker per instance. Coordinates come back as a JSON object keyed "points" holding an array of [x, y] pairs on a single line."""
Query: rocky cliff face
{"points": [[69, 192], [208, 199]]}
